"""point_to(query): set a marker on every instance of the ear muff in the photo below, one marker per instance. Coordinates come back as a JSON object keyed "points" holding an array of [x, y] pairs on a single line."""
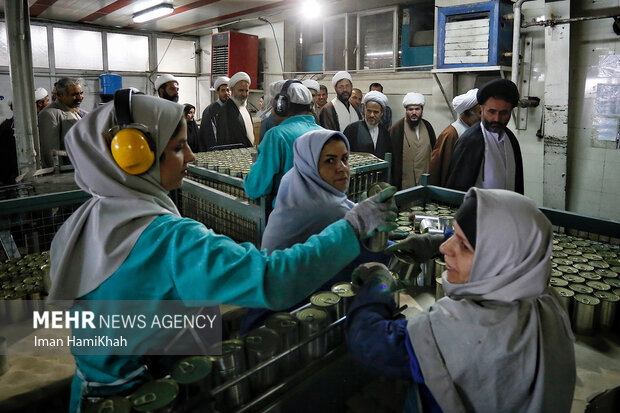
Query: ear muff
{"points": [[281, 103], [132, 147]]}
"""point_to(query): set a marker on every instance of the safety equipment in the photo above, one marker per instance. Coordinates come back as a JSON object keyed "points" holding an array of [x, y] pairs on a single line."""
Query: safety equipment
{"points": [[376, 213], [281, 102], [131, 144], [418, 247]]}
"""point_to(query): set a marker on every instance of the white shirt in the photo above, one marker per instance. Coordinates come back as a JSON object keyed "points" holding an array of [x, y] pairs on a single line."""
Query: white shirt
{"points": [[247, 120], [374, 134], [498, 170]]}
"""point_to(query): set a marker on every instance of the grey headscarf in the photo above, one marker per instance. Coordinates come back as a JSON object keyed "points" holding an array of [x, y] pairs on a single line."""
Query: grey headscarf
{"points": [[93, 243], [274, 89], [500, 342]]}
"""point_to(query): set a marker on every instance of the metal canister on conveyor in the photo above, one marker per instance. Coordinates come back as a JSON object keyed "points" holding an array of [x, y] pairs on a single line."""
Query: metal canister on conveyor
{"points": [[606, 273], [344, 290], [193, 374], [440, 267], [598, 286], [287, 327], [227, 366], [612, 282], [379, 240], [584, 313], [332, 303], [311, 321], [590, 276], [558, 282], [580, 288], [439, 293], [566, 298], [262, 344], [609, 309], [157, 396], [112, 404]]}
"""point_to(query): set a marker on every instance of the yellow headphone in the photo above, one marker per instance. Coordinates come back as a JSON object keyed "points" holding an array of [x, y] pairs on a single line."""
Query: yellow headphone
{"points": [[131, 145]]}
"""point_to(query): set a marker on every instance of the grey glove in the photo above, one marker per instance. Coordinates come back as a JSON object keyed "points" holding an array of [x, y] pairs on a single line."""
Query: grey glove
{"points": [[374, 272], [377, 213], [419, 247]]}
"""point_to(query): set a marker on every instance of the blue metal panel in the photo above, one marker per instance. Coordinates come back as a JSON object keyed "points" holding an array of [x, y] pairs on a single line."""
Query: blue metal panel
{"points": [[313, 63]]}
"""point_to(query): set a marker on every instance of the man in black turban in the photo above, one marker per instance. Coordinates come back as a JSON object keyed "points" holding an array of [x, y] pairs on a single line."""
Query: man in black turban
{"points": [[488, 155]]}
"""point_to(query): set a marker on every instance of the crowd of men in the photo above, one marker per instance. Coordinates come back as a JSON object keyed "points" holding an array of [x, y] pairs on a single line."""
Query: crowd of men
{"points": [[475, 150]]}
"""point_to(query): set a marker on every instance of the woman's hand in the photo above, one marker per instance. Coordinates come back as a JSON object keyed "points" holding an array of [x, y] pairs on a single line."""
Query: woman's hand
{"points": [[377, 213]]}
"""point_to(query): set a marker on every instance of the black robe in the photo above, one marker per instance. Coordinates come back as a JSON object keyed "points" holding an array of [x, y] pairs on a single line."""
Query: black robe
{"points": [[360, 141], [230, 126], [8, 153], [397, 136], [193, 136], [468, 158], [207, 138]]}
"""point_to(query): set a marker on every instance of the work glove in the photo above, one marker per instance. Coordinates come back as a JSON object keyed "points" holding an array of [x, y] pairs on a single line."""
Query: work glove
{"points": [[374, 273], [418, 247], [377, 213], [398, 235]]}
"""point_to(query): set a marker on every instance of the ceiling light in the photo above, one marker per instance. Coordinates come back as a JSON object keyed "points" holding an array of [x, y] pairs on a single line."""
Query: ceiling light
{"points": [[311, 9], [153, 12]]}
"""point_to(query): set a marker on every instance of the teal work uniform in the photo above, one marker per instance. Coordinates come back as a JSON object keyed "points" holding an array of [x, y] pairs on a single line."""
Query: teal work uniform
{"points": [[180, 259], [275, 156]]}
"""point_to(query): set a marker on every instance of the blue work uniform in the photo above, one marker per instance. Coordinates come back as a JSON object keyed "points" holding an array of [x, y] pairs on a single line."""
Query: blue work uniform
{"points": [[180, 259], [275, 156]]}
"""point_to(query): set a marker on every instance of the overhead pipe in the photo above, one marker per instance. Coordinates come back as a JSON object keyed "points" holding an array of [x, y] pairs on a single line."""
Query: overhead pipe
{"points": [[516, 35], [553, 22]]}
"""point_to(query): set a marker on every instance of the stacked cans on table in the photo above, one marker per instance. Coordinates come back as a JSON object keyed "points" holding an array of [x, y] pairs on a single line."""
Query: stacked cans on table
{"points": [[585, 275]]}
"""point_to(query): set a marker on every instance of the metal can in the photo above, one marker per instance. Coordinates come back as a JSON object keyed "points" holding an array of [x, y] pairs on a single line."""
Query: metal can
{"points": [[344, 290], [332, 303], [591, 276], [193, 374], [581, 288], [584, 313], [440, 267], [567, 269], [439, 293], [112, 404], [262, 344], [572, 278], [558, 282], [605, 273], [598, 286], [311, 321], [287, 327], [612, 282], [566, 298], [227, 366], [599, 264], [609, 309], [155, 396]]}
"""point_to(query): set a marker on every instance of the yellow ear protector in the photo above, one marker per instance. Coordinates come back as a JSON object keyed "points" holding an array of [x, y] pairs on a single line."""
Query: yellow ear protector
{"points": [[281, 103], [131, 146]]}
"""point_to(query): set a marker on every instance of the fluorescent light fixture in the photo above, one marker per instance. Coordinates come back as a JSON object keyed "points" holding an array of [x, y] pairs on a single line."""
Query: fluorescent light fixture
{"points": [[153, 12], [310, 9]]}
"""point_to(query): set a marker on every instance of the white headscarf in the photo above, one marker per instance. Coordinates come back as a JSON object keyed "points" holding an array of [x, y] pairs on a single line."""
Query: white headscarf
{"points": [[163, 79], [93, 243], [237, 77], [501, 341], [40, 94], [465, 101], [305, 203], [339, 76], [413, 98], [376, 96]]}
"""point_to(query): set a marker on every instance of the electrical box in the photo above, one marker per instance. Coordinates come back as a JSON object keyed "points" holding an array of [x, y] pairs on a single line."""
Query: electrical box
{"points": [[233, 52], [473, 35]]}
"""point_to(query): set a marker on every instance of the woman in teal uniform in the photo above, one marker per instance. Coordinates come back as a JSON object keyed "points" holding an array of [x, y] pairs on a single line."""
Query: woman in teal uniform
{"points": [[128, 242]]}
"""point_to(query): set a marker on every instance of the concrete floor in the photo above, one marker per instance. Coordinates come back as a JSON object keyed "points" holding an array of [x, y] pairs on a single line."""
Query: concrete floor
{"points": [[597, 357]]}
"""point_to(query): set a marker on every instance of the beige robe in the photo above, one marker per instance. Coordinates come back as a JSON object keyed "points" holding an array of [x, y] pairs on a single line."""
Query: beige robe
{"points": [[416, 155]]}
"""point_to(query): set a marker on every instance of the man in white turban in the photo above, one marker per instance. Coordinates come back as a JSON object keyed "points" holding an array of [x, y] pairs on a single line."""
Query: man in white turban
{"points": [[292, 113], [413, 139], [41, 99], [468, 109], [314, 87], [386, 119], [208, 131], [339, 113], [167, 87], [369, 135], [234, 124]]}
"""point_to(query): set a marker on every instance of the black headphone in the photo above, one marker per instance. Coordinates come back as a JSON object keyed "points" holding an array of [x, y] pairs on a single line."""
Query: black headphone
{"points": [[131, 145], [281, 103]]}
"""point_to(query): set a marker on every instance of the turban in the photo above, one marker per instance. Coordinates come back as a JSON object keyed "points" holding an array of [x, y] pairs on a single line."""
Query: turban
{"points": [[312, 84], [376, 96], [163, 79], [413, 98], [500, 89], [466, 101], [341, 75], [222, 80], [298, 93], [238, 77], [40, 94]]}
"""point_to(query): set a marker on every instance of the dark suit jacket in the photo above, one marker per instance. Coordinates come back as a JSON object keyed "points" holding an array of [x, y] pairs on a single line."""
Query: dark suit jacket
{"points": [[468, 156], [397, 136], [230, 126], [207, 138], [360, 141]]}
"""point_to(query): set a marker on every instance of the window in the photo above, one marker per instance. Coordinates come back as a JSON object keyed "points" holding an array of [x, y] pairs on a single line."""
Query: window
{"points": [[78, 49], [377, 39], [38, 43], [128, 53], [176, 56]]}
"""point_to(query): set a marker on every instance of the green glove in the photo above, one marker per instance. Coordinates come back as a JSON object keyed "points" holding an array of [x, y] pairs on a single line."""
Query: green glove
{"points": [[420, 248], [373, 271], [377, 213]]}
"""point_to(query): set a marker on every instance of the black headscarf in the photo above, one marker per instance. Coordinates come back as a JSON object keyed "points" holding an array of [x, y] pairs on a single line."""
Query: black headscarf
{"points": [[193, 135]]}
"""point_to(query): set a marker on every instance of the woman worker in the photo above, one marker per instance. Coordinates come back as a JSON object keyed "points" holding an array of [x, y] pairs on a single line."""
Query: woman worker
{"points": [[499, 341], [193, 131], [128, 241]]}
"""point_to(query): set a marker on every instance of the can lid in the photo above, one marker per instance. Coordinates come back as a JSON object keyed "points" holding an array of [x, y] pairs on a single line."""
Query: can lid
{"points": [[581, 289], [562, 261], [613, 262], [568, 270], [604, 272], [227, 347], [154, 395], [616, 291], [593, 257], [615, 268], [282, 322], [590, 275], [556, 273], [556, 247], [325, 299], [112, 404], [343, 289], [606, 296], [564, 292], [567, 244], [262, 340], [598, 285], [583, 267], [560, 255], [578, 259], [598, 264], [311, 314], [558, 282], [573, 278], [614, 282], [587, 299], [191, 369]]}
